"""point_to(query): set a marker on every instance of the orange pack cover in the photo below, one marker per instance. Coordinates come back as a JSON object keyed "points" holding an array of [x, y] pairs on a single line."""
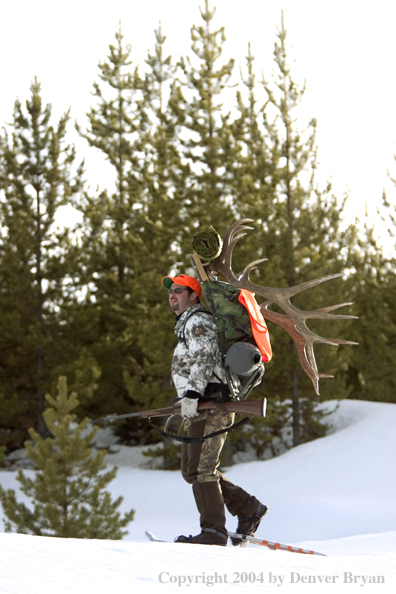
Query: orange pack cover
{"points": [[259, 327]]}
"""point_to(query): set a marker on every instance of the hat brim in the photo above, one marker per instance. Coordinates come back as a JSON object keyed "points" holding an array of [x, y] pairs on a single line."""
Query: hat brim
{"points": [[167, 282]]}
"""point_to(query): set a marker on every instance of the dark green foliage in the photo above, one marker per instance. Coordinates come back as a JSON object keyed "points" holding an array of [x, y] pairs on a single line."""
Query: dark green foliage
{"points": [[67, 491], [38, 176], [110, 241], [205, 136], [126, 235], [185, 154], [369, 369], [298, 225]]}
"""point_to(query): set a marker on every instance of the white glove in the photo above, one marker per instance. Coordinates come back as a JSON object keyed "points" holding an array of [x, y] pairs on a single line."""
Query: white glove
{"points": [[189, 407]]}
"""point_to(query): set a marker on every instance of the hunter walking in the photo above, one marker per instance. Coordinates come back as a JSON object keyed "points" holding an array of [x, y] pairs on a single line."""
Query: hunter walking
{"points": [[199, 375]]}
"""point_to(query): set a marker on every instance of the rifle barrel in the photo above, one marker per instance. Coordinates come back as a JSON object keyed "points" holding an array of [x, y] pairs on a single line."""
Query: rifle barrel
{"points": [[255, 408]]}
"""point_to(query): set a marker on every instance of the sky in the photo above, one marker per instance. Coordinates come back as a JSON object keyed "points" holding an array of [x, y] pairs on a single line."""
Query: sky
{"points": [[344, 50], [334, 495]]}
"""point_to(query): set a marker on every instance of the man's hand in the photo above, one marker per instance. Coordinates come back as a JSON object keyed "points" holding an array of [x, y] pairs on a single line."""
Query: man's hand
{"points": [[189, 404]]}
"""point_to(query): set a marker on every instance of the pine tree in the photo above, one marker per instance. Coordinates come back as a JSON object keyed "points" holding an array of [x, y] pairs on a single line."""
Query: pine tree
{"points": [[111, 241], [298, 225], [161, 175], [38, 175], [129, 235], [67, 492], [306, 230], [206, 133], [369, 369], [255, 179]]}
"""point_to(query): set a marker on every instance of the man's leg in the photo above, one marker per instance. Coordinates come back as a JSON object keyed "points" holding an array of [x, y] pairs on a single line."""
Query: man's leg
{"points": [[237, 500], [199, 468], [249, 509], [200, 461]]}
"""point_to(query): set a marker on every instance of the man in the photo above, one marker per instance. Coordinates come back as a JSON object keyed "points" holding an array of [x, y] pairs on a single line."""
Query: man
{"points": [[198, 374]]}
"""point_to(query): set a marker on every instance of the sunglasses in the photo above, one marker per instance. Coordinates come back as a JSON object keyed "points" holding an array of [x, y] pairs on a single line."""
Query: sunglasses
{"points": [[178, 290]]}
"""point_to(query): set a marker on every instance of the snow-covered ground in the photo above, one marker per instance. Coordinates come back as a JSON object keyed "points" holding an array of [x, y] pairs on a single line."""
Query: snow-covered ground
{"points": [[335, 495]]}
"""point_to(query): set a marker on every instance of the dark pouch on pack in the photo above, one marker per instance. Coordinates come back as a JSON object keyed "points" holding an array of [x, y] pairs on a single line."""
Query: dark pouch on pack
{"points": [[216, 393]]}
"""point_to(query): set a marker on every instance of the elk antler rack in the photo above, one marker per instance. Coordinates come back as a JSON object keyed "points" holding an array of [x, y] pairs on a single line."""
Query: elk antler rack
{"points": [[293, 320]]}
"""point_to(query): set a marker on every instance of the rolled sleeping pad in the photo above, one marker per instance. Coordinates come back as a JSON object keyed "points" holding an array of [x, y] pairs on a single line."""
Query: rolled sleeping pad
{"points": [[243, 359]]}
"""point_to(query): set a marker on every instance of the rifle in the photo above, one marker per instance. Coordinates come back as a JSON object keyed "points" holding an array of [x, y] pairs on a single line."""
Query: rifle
{"points": [[253, 408]]}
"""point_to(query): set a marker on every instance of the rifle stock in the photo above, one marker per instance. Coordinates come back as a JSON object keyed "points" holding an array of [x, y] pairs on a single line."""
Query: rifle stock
{"points": [[255, 408]]}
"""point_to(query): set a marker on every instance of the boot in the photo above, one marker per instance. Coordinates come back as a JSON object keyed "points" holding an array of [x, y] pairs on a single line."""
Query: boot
{"points": [[248, 526], [237, 500], [206, 537], [210, 504]]}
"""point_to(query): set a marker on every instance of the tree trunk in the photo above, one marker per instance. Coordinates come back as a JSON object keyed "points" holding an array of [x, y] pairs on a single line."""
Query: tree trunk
{"points": [[40, 396]]}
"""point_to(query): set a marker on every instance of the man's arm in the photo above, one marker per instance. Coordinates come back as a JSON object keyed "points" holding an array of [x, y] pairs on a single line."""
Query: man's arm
{"points": [[203, 350], [203, 347]]}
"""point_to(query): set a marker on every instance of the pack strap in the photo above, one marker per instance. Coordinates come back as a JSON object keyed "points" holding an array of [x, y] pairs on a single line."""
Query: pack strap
{"points": [[198, 439], [182, 332]]}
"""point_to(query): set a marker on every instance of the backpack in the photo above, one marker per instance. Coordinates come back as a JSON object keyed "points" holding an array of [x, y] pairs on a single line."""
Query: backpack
{"points": [[243, 334], [237, 316]]}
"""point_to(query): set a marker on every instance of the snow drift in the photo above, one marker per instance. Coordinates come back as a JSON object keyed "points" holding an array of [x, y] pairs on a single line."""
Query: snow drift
{"points": [[335, 495]]}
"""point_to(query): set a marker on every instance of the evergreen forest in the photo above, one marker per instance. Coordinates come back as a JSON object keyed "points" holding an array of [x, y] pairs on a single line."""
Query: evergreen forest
{"points": [[192, 144]]}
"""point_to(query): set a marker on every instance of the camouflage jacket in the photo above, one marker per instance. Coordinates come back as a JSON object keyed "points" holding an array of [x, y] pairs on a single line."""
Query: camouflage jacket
{"points": [[197, 359]]}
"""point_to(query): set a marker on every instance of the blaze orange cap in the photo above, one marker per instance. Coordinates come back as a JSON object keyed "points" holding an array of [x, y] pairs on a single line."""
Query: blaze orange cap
{"points": [[184, 281]]}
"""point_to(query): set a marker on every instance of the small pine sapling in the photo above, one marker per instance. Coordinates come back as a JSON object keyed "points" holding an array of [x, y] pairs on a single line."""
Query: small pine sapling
{"points": [[67, 489]]}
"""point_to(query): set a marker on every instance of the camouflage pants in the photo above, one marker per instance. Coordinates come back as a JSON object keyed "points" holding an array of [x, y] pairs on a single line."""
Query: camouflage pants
{"points": [[200, 461]]}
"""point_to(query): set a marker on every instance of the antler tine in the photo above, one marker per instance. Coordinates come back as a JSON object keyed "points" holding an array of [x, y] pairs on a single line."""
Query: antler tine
{"points": [[337, 306], [322, 314], [295, 289], [234, 228], [307, 359], [231, 238], [247, 270], [227, 258], [304, 345], [297, 328], [341, 341]]}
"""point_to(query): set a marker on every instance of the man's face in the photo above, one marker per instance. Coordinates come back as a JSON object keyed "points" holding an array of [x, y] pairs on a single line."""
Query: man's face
{"points": [[179, 302]]}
